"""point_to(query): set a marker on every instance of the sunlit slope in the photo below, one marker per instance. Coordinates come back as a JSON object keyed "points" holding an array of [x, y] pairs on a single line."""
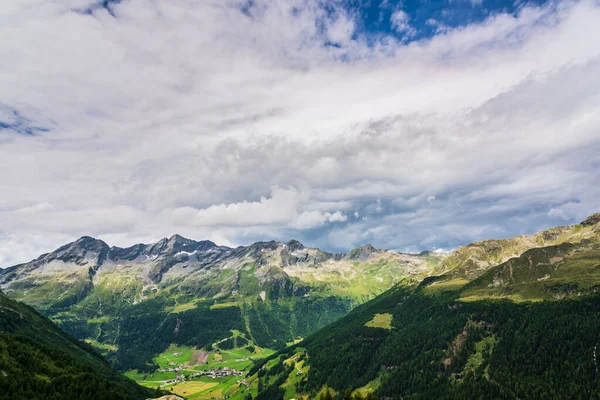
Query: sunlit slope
{"points": [[474, 259], [570, 267], [553, 272]]}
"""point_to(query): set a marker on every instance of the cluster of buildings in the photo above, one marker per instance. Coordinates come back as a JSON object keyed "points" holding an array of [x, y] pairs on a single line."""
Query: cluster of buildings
{"points": [[174, 369], [177, 379], [219, 373]]}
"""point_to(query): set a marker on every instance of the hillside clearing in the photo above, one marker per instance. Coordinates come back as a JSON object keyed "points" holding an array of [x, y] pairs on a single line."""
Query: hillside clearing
{"points": [[383, 321]]}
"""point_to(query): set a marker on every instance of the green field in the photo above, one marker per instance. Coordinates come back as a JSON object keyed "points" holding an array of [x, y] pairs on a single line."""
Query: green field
{"points": [[381, 321], [179, 308], [204, 387], [196, 388], [172, 355], [103, 348]]}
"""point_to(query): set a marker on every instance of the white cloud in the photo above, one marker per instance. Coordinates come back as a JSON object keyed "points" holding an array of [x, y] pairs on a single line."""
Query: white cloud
{"points": [[198, 119], [400, 21], [21, 248], [337, 217], [36, 209], [313, 219], [279, 208]]}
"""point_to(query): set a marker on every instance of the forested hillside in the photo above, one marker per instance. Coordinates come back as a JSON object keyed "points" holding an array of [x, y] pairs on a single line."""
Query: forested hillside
{"points": [[439, 347], [39, 361], [526, 328]]}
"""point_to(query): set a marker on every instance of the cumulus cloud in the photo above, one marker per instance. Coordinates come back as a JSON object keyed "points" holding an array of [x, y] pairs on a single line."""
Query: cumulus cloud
{"points": [[312, 219], [281, 119], [278, 209]]}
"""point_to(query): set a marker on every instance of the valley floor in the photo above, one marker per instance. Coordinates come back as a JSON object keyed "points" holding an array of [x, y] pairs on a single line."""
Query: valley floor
{"points": [[201, 374]]}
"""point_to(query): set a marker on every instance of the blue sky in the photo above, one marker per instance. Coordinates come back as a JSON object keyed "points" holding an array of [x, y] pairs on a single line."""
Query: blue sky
{"points": [[428, 17], [411, 126]]}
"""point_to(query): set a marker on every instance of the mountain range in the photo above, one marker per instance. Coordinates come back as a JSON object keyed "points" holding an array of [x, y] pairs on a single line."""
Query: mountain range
{"points": [[275, 292], [508, 318]]}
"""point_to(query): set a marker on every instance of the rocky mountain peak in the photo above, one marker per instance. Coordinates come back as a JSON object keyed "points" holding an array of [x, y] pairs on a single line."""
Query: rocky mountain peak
{"points": [[176, 238], [362, 253], [591, 220], [294, 245], [178, 243], [90, 243], [258, 247], [82, 245], [83, 248]]}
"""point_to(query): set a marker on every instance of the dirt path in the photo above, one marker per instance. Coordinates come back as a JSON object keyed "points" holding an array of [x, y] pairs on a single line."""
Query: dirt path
{"points": [[200, 356]]}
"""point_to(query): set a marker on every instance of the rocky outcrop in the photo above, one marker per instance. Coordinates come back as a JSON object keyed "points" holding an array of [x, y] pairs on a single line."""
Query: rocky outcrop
{"points": [[294, 245], [81, 252], [362, 253], [591, 220]]}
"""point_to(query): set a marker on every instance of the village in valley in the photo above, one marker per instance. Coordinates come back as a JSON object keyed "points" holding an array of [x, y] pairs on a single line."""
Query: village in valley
{"points": [[204, 374], [212, 373]]}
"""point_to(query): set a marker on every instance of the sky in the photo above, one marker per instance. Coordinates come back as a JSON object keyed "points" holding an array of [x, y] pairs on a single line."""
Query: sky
{"points": [[410, 125]]}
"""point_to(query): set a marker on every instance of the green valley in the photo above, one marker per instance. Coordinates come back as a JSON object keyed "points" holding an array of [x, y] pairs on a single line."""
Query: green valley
{"points": [[202, 373]]}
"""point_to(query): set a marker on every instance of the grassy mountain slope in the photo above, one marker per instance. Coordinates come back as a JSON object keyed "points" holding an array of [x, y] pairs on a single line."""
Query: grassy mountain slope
{"points": [[552, 272], [39, 361], [524, 328], [468, 262]]}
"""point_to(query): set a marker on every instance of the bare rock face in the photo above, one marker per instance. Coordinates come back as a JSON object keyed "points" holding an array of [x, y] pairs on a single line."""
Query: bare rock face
{"points": [[591, 220]]}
